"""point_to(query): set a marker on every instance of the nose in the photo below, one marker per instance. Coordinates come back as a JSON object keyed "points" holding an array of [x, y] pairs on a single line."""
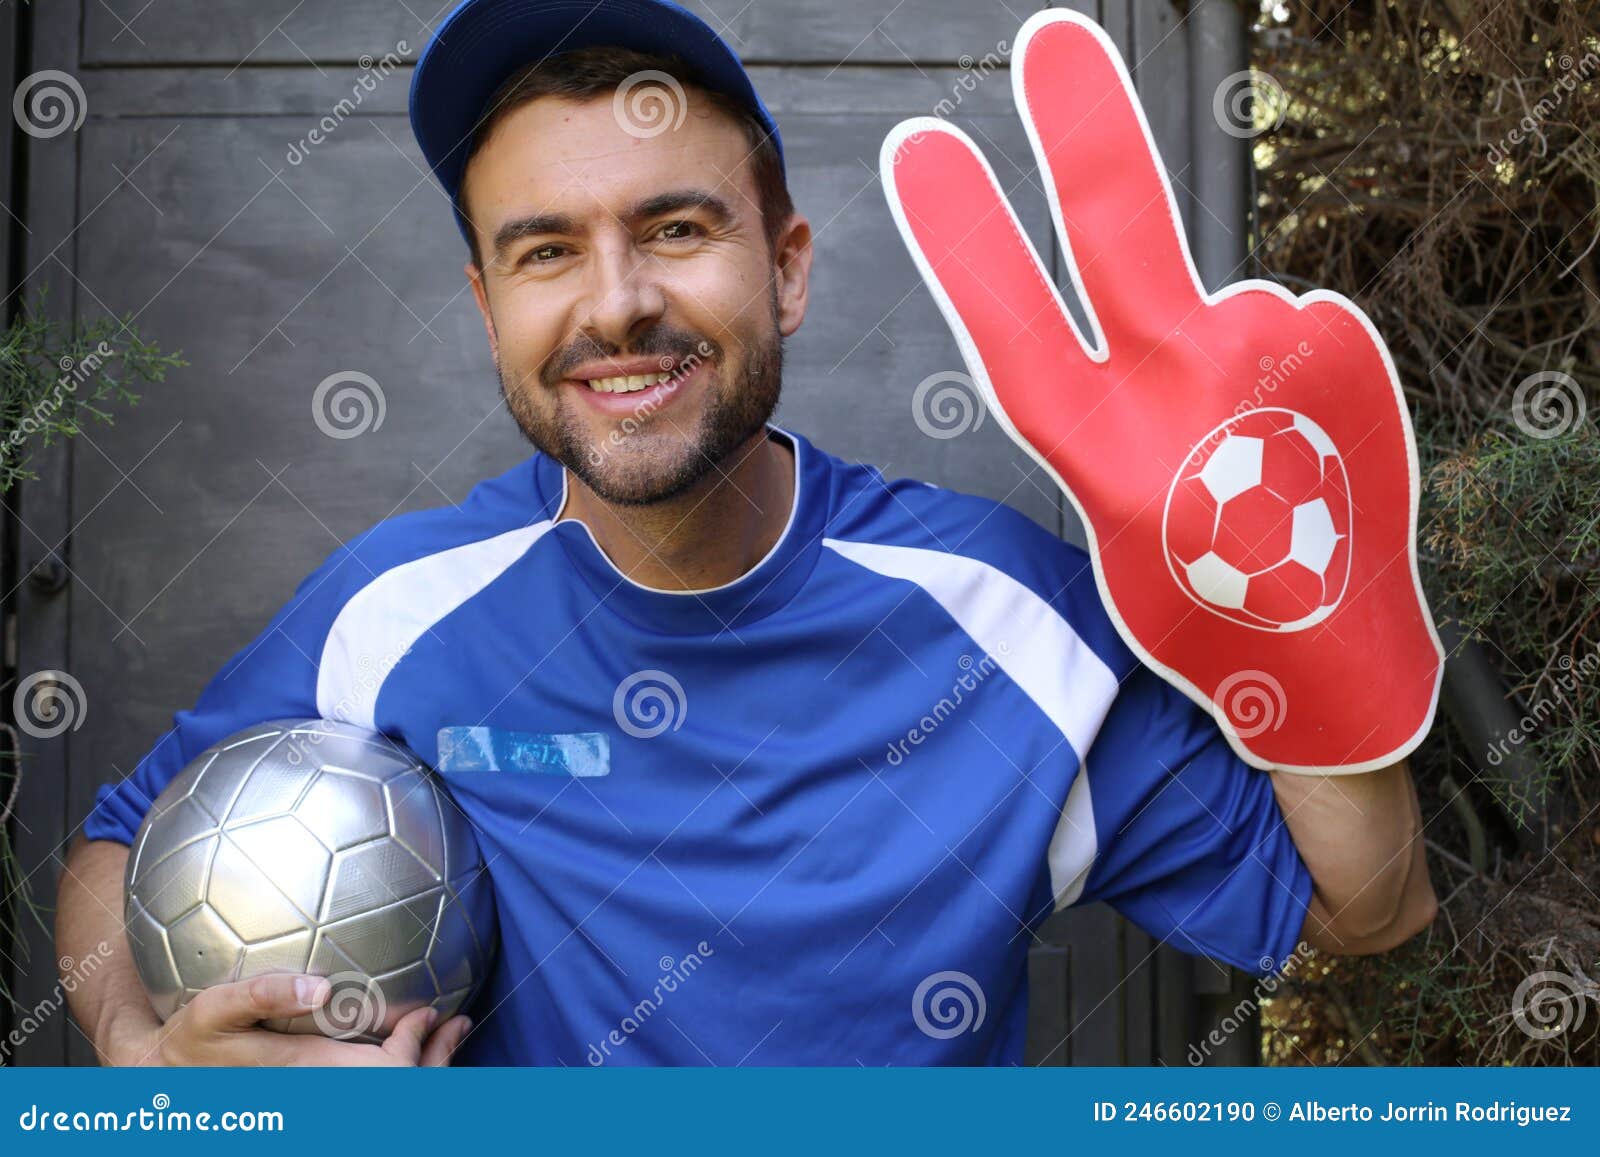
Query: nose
{"points": [[624, 294]]}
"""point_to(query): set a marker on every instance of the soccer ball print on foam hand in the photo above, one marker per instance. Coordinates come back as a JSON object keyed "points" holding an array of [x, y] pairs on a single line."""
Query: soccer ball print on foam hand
{"points": [[1258, 522], [309, 845]]}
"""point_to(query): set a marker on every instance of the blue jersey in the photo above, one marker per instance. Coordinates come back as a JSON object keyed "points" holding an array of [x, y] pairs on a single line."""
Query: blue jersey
{"points": [[813, 816]]}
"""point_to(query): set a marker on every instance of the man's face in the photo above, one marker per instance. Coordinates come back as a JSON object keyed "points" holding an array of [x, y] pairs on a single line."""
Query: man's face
{"points": [[611, 256]]}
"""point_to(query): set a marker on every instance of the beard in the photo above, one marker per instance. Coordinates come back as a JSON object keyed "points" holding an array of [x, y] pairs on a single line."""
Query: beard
{"points": [[652, 458]]}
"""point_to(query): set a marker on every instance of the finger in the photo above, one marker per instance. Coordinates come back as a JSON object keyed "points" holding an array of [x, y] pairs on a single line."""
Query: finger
{"points": [[444, 1041], [991, 286], [404, 1043], [310, 1051], [243, 1003], [290, 1050], [1108, 190]]}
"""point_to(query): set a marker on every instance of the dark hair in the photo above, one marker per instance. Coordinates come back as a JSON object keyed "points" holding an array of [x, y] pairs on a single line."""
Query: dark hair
{"points": [[586, 73]]}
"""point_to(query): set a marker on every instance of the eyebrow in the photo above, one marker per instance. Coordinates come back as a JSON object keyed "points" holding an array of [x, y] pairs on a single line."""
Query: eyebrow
{"points": [[675, 201]]}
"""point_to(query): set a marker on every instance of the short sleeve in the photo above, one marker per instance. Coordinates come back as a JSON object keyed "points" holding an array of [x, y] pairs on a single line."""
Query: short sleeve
{"points": [[273, 677], [1191, 843]]}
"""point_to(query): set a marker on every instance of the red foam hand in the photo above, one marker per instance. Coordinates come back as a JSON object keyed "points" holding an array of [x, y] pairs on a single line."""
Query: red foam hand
{"points": [[1243, 461]]}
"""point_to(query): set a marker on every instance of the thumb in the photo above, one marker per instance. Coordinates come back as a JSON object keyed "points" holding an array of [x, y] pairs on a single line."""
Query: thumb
{"points": [[242, 1003]]}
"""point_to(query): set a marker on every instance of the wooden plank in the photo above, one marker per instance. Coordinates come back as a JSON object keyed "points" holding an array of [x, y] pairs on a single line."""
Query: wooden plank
{"points": [[1096, 1021], [253, 32], [10, 223], [1049, 1005], [1141, 1011], [10, 230], [248, 92], [42, 509], [277, 32], [829, 32], [1217, 48], [1159, 61], [1240, 999], [1116, 18], [983, 90], [1175, 1002]]}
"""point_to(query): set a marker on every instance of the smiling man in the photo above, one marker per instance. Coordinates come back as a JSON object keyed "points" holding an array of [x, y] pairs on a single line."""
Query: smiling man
{"points": [[857, 738], [637, 285]]}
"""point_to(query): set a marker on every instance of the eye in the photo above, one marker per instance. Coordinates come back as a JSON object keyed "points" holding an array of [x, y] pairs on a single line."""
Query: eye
{"points": [[679, 231], [540, 255]]}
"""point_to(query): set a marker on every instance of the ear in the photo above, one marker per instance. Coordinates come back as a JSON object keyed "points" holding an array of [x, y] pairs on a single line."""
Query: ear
{"points": [[791, 259], [480, 294]]}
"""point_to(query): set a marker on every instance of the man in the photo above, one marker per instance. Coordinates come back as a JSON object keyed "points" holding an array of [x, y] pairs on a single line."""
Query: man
{"points": [[861, 736]]}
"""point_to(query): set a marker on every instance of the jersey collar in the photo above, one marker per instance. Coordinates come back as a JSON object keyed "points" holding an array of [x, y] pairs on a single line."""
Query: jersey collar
{"points": [[770, 584]]}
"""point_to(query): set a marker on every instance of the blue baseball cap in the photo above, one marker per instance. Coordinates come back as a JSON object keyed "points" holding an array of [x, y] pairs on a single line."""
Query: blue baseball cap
{"points": [[483, 43]]}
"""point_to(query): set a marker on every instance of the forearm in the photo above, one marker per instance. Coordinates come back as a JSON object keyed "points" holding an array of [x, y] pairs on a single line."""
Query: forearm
{"points": [[1360, 837], [108, 1001]]}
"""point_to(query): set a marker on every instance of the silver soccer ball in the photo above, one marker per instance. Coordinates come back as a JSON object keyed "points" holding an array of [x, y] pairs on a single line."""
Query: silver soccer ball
{"points": [[309, 845]]}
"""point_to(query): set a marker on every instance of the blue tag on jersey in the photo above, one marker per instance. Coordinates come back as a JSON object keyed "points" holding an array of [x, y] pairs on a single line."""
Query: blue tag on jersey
{"points": [[581, 753]]}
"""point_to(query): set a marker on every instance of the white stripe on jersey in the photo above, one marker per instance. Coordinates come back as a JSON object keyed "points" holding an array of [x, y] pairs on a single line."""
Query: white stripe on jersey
{"points": [[379, 624], [1041, 652]]}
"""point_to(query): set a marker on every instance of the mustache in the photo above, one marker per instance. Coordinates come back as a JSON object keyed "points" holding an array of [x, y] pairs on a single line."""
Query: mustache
{"points": [[660, 342]]}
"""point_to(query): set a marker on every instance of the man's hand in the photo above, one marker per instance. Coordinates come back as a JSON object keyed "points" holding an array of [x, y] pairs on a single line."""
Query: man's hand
{"points": [[221, 1027], [1243, 460]]}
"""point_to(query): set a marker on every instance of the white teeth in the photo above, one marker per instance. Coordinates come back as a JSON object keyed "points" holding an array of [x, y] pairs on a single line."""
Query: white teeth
{"points": [[627, 385]]}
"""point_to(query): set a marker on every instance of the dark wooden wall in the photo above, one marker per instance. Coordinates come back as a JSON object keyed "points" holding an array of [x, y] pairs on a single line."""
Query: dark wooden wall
{"points": [[187, 524]]}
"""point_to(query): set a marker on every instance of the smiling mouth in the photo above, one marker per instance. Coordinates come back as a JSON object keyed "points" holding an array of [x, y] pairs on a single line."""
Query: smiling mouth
{"points": [[631, 384]]}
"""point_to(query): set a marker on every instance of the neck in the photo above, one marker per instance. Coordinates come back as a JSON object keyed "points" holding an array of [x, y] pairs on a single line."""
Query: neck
{"points": [[709, 535]]}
